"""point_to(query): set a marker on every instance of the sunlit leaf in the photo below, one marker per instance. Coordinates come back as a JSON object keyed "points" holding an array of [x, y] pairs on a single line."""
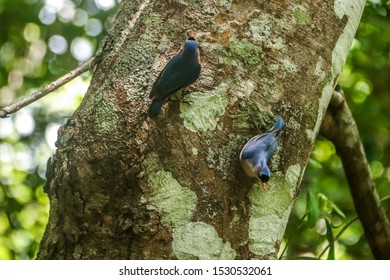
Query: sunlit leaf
{"points": [[322, 201], [336, 209]]}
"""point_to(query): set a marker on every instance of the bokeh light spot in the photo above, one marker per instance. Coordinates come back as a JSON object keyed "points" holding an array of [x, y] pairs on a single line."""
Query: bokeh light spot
{"points": [[7, 52], [24, 122], [58, 44], [67, 11], [323, 150], [93, 27], [81, 49], [105, 4], [376, 169], [15, 79], [6, 128], [51, 134], [360, 92], [55, 4], [47, 15], [20, 239], [21, 193], [80, 18], [31, 32]]}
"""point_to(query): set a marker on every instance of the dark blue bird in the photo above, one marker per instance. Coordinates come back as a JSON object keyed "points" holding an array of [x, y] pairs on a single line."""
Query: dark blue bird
{"points": [[181, 71], [258, 150]]}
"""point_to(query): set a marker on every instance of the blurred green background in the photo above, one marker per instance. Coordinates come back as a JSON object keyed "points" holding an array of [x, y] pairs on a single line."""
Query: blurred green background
{"points": [[41, 40]]}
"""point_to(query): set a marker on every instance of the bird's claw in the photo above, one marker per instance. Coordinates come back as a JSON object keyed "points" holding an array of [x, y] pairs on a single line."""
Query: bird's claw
{"points": [[185, 101]]}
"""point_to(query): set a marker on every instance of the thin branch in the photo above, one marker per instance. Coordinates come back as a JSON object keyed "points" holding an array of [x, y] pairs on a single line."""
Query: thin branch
{"points": [[385, 198], [339, 127], [24, 101], [338, 235]]}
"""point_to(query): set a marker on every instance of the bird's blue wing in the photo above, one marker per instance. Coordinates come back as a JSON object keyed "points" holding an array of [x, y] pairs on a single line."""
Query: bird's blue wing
{"points": [[263, 145], [251, 147], [176, 75]]}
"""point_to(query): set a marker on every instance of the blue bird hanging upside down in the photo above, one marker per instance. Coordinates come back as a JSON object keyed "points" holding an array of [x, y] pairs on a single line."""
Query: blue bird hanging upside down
{"points": [[258, 150], [181, 71]]}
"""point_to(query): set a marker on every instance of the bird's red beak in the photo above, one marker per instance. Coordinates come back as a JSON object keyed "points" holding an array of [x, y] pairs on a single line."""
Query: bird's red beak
{"points": [[191, 34], [263, 184]]}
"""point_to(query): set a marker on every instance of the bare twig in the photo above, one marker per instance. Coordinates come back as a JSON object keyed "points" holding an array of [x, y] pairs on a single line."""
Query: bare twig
{"points": [[385, 198], [19, 104], [340, 128]]}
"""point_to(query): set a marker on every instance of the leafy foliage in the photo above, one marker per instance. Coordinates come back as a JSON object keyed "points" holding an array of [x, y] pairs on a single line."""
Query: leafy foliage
{"points": [[366, 86]]}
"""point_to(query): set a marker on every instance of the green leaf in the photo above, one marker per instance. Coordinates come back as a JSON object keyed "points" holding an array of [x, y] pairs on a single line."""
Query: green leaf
{"points": [[312, 209], [329, 206], [336, 209], [381, 11], [322, 201], [329, 237]]}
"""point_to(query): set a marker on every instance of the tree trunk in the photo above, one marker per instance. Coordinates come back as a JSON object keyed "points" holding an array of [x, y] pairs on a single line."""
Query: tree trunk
{"points": [[340, 128], [124, 186]]}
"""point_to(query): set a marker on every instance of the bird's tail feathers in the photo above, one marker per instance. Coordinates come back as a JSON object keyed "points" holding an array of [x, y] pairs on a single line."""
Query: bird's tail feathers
{"points": [[155, 108], [278, 126]]}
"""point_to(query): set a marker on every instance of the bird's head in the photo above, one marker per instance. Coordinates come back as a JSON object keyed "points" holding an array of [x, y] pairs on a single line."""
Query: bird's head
{"points": [[191, 46], [264, 176]]}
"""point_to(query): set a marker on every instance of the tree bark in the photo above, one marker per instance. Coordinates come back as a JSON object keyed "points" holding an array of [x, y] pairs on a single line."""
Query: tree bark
{"points": [[123, 186]]}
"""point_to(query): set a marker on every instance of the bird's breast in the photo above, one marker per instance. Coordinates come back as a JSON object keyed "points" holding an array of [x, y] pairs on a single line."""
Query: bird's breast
{"points": [[249, 168]]}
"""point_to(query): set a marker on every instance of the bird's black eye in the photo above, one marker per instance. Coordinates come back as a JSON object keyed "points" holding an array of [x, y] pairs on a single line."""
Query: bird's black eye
{"points": [[263, 177]]}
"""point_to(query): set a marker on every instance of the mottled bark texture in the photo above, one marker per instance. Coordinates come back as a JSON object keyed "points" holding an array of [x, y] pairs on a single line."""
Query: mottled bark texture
{"points": [[123, 186], [340, 128]]}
